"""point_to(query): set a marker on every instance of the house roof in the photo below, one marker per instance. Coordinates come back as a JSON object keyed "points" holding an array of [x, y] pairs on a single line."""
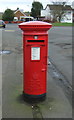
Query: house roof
{"points": [[19, 11], [27, 13], [1, 12], [52, 7]]}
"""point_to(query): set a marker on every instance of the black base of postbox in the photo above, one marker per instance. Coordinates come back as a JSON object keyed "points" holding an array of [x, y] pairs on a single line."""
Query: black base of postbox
{"points": [[34, 98]]}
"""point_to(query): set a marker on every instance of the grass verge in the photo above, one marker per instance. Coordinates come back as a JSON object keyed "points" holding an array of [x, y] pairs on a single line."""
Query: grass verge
{"points": [[63, 24]]}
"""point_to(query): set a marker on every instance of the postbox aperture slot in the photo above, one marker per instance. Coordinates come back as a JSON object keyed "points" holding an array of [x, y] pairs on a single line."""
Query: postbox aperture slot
{"points": [[35, 40]]}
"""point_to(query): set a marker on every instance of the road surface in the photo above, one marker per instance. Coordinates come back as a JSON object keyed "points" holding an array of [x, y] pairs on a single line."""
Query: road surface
{"points": [[57, 104]]}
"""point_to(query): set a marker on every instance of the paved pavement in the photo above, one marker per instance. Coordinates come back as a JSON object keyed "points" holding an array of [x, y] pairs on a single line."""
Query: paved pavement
{"points": [[0, 74], [60, 50], [13, 106]]}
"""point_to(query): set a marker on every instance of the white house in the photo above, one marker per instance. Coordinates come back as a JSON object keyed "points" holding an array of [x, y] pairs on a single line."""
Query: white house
{"points": [[66, 17], [46, 13], [73, 10]]}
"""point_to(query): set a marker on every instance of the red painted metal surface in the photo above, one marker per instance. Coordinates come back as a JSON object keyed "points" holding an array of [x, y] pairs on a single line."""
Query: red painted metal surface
{"points": [[35, 52]]}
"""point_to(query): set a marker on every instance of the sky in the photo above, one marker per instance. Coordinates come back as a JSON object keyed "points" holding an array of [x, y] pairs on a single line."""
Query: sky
{"points": [[26, 5]]}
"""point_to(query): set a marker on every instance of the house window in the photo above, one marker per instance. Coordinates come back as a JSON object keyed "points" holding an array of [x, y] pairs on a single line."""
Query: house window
{"points": [[69, 12], [68, 18]]}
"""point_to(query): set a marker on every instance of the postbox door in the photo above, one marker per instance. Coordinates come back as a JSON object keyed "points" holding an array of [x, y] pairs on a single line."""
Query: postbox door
{"points": [[35, 69]]}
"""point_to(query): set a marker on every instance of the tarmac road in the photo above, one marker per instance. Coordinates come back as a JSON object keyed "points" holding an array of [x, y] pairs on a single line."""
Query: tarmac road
{"points": [[57, 104]]}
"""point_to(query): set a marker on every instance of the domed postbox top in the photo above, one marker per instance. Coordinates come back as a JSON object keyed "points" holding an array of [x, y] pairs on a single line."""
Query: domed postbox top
{"points": [[35, 26]]}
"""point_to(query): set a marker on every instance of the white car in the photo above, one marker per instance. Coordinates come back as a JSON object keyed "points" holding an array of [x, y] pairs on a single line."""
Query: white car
{"points": [[2, 24]]}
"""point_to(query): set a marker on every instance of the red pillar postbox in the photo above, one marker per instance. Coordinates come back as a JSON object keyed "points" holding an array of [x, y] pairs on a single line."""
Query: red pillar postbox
{"points": [[35, 52]]}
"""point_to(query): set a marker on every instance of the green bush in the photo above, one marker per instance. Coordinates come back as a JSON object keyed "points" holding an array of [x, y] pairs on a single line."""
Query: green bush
{"points": [[8, 15]]}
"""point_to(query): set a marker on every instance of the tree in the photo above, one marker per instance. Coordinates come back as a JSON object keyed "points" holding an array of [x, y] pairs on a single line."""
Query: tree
{"points": [[36, 9], [8, 15], [59, 10]]}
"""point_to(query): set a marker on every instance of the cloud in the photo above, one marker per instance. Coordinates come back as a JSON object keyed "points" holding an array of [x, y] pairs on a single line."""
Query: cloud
{"points": [[22, 4], [13, 4]]}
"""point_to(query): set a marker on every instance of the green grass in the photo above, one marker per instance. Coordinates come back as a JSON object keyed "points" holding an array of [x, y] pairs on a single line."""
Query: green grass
{"points": [[63, 24]]}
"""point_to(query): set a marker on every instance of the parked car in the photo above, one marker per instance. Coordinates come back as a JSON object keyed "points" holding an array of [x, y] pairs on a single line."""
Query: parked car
{"points": [[2, 24], [26, 19]]}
